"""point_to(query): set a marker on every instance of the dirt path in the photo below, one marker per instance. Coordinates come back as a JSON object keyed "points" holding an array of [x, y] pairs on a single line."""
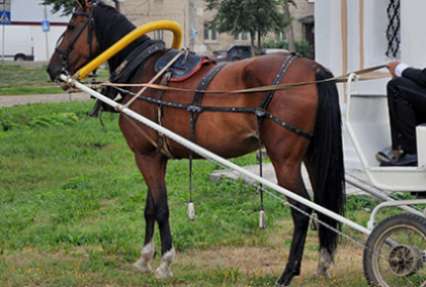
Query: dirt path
{"points": [[9, 101]]}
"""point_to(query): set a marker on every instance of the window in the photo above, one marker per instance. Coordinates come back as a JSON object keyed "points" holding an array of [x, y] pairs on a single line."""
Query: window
{"points": [[210, 32], [242, 36], [280, 36]]}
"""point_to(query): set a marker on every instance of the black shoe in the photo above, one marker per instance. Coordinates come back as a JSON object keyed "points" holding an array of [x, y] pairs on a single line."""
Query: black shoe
{"points": [[405, 159], [386, 155]]}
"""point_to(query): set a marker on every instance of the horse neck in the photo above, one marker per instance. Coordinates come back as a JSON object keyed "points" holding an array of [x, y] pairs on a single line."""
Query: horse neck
{"points": [[108, 32]]}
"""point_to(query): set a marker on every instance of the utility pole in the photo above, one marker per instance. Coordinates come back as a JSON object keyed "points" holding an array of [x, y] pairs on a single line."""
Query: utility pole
{"points": [[4, 20], [3, 38], [192, 23], [290, 29], [46, 33]]}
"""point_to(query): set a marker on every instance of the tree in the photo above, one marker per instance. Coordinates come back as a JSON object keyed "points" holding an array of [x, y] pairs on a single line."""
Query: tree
{"points": [[290, 31], [68, 5], [57, 5], [257, 17]]}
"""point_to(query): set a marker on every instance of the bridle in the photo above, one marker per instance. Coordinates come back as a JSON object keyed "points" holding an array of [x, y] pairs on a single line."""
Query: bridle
{"points": [[64, 53]]}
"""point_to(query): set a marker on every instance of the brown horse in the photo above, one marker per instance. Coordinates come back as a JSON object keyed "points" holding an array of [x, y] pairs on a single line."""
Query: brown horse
{"points": [[312, 108]]}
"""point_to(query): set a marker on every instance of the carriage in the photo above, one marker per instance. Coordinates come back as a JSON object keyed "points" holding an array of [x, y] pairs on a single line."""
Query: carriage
{"points": [[395, 253], [367, 122]]}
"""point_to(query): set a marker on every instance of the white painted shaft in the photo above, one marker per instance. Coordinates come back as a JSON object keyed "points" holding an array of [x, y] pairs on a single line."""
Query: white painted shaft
{"points": [[209, 155]]}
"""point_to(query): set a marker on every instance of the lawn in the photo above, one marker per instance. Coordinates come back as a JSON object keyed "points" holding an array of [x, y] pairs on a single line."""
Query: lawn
{"points": [[22, 79], [71, 213], [29, 79]]}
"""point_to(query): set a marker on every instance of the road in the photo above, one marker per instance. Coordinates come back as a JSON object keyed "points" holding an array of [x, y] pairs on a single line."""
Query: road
{"points": [[9, 101]]}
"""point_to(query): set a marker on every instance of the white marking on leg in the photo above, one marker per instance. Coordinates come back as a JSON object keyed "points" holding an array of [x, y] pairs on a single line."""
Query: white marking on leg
{"points": [[325, 261], [164, 271], [144, 262]]}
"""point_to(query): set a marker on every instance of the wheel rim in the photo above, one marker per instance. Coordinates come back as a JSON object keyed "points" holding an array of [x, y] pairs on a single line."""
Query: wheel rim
{"points": [[400, 264]]}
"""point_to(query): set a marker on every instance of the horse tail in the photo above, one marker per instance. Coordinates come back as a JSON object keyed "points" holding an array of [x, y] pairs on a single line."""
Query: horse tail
{"points": [[325, 159]]}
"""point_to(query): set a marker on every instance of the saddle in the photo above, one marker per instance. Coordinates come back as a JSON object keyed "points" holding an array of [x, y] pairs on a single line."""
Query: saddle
{"points": [[184, 68]]}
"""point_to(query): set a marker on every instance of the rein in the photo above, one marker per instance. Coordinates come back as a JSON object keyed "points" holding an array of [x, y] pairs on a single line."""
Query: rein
{"points": [[260, 112], [269, 88]]}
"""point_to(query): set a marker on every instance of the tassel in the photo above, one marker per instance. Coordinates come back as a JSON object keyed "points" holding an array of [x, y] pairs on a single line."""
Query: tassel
{"points": [[262, 219], [191, 211]]}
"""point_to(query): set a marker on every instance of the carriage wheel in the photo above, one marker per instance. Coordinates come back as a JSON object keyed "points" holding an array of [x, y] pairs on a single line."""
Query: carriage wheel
{"points": [[395, 254]]}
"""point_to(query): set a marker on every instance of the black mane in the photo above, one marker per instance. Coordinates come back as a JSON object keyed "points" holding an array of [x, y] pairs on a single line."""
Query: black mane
{"points": [[111, 26]]}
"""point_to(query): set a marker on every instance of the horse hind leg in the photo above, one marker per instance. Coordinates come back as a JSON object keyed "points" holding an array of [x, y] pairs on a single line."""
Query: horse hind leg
{"points": [[324, 263]]}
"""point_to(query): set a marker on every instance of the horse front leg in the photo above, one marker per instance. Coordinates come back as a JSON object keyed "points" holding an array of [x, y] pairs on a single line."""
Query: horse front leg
{"points": [[153, 167], [168, 253], [147, 253]]}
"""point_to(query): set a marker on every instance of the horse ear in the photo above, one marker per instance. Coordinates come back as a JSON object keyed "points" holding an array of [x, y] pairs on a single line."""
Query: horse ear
{"points": [[90, 3], [85, 3], [81, 3]]}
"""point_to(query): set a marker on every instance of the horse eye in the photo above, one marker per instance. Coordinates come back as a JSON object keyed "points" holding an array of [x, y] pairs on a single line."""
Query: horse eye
{"points": [[70, 27]]}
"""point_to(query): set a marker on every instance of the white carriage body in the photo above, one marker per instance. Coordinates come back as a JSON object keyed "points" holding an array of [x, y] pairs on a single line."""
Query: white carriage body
{"points": [[351, 35], [367, 123]]}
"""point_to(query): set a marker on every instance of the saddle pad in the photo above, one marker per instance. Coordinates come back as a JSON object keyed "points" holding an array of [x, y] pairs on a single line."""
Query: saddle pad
{"points": [[184, 68]]}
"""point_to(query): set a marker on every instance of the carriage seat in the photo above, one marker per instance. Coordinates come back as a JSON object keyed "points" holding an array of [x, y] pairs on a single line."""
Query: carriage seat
{"points": [[184, 68]]}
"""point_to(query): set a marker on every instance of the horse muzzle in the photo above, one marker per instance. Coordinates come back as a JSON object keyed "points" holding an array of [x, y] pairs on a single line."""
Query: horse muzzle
{"points": [[54, 71]]}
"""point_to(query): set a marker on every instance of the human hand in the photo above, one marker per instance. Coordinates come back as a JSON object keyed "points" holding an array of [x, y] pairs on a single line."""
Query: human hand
{"points": [[392, 67]]}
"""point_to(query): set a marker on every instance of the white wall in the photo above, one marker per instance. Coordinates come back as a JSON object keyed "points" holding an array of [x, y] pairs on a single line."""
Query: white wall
{"points": [[413, 32], [28, 38], [328, 48], [32, 10], [328, 32]]}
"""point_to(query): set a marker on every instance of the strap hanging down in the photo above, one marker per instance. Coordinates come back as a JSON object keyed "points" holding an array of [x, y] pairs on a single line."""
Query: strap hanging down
{"points": [[260, 115], [195, 109]]}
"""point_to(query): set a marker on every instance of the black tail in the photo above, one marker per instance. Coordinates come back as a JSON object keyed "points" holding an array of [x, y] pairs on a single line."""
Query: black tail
{"points": [[325, 158]]}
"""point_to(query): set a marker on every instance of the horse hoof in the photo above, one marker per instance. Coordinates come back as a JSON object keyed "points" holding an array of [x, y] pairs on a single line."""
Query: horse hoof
{"points": [[163, 273], [142, 266], [323, 274]]}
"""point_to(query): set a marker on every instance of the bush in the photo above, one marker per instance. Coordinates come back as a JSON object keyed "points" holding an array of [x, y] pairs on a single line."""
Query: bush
{"points": [[304, 49], [276, 44]]}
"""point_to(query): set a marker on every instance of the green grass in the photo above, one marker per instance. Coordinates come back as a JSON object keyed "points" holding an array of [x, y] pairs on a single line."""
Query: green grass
{"points": [[25, 80], [29, 79], [71, 212]]}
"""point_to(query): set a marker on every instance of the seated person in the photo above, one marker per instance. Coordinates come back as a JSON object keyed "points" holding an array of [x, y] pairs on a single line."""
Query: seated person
{"points": [[407, 109]]}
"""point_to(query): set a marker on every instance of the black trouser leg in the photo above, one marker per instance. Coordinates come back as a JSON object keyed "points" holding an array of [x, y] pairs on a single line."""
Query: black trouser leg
{"points": [[407, 108]]}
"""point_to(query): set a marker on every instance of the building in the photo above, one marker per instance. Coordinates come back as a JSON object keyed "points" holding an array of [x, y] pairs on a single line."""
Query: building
{"points": [[193, 16], [25, 35]]}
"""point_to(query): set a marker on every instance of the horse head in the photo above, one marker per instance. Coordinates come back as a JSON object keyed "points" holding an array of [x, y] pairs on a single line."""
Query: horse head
{"points": [[78, 44]]}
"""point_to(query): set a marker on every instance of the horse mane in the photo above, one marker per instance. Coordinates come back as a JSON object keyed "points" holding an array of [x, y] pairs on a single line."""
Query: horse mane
{"points": [[111, 26]]}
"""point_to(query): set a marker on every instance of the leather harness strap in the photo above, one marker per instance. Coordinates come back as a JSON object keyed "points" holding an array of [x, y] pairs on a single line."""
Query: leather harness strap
{"points": [[261, 115], [278, 79], [195, 108], [137, 58]]}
